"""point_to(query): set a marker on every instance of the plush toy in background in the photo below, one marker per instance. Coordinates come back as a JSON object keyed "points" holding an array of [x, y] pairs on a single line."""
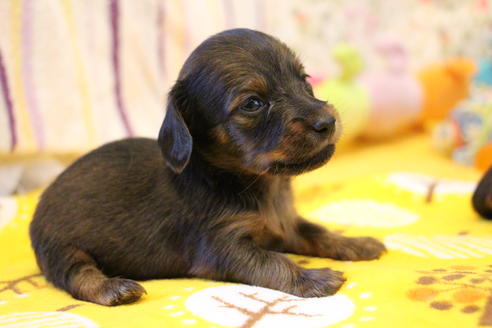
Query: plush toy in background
{"points": [[315, 79], [444, 85], [395, 94], [484, 74], [466, 135], [345, 93], [483, 159], [482, 197], [382, 104]]}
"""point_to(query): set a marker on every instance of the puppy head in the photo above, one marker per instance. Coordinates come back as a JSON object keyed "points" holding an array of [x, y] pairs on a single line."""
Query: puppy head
{"points": [[243, 103]]}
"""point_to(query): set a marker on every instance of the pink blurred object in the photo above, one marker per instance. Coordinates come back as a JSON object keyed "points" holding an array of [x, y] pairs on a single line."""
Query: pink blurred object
{"points": [[396, 95], [316, 79]]}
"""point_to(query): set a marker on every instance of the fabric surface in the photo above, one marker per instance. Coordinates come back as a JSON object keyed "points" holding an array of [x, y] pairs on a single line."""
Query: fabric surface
{"points": [[437, 273], [75, 74]]}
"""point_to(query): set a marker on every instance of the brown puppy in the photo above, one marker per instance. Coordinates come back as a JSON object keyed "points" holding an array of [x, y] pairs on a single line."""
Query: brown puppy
{"points": [[212, 198]]}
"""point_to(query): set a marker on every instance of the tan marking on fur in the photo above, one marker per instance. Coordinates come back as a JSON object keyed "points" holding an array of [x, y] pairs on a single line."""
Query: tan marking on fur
{"points": [[296, 127], [255, 85], [244, 121], [264, 160], [220, 135], [277, 155], [278, 215]]}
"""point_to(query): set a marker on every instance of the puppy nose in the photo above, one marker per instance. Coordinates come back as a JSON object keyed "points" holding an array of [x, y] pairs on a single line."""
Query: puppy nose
{"points": [[324, 126]]}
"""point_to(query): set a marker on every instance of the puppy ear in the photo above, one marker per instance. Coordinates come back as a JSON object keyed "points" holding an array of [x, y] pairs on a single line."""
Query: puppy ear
{"points": [[174, 137]]}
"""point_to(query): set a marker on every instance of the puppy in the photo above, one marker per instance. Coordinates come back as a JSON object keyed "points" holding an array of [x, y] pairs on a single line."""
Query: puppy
{"points": [[211, 198]]}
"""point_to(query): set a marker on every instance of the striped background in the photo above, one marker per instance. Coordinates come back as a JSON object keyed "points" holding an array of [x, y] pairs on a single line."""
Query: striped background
{"points": [[77, 73]]}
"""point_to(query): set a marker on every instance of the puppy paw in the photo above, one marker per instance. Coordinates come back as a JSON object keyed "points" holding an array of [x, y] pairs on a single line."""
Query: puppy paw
{"points": [[358, 249], [117, 291], [318, 282]]}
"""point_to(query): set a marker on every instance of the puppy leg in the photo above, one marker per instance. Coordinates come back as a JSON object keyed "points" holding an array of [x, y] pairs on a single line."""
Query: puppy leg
{"points": [[240, 260], [78, 274], [314, 240]]}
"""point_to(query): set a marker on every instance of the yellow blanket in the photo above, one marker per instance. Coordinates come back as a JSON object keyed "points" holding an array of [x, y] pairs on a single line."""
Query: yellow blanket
{"points": [[437, 273]]}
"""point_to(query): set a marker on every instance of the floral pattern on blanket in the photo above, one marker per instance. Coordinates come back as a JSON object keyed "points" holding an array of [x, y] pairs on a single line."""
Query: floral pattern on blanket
{"points": [[439, 261]]}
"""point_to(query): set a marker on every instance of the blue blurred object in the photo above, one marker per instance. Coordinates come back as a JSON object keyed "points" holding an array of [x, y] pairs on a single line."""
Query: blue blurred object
{"points": [[468, 128], [484, 74]]}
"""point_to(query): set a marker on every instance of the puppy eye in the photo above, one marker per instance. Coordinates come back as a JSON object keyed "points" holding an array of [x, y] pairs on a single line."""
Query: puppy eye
{"points": [[252, 104]]}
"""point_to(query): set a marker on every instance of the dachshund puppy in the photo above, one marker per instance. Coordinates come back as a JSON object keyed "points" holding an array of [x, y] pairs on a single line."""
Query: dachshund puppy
{"points": [[211, 198]]}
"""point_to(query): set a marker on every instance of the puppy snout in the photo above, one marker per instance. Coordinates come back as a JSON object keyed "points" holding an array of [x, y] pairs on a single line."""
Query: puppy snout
{"points": [[325, 126]]}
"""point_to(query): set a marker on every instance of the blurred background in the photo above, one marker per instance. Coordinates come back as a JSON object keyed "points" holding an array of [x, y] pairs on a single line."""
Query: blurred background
{"points": [[75, 74]]}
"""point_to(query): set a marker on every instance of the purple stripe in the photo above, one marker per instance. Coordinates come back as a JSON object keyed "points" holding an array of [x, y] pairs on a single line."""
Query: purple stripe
{"points": [[160, 38], [115, 20], [229, 13], [8, 104], [27, 73]]}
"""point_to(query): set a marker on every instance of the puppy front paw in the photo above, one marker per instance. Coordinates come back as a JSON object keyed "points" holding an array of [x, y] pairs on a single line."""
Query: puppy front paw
{"points": [[358, 249], [318, 282]]}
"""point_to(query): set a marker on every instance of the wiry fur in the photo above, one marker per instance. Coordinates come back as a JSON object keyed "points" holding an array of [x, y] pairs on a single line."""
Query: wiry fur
{"points": [[212, 198]]}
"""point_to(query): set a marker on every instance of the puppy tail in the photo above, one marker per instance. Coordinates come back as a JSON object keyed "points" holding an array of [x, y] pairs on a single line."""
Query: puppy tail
{"points": [[77, 273]]}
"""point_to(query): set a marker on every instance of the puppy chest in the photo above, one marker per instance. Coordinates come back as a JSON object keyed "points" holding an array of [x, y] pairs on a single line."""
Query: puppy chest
{"points": [[276, 224]]}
